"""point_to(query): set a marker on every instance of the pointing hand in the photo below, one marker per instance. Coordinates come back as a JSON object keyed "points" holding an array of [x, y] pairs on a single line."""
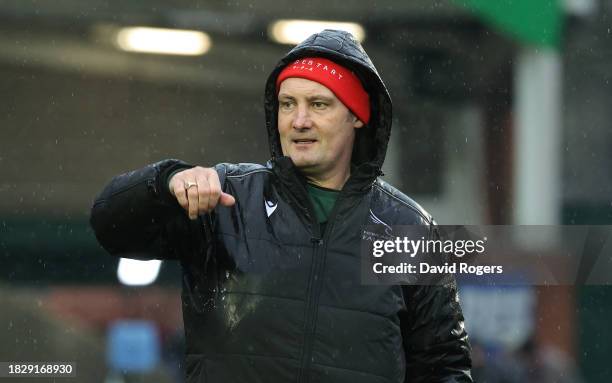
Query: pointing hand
{"points": [[198, 191]]}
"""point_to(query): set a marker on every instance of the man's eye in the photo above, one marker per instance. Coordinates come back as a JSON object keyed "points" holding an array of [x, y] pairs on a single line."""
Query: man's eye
{"points": [[286, 104], [319, 105]]}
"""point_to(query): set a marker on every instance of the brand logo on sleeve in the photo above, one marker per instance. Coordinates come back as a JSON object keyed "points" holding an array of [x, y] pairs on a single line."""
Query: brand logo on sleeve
{"points": [[386, 232]]}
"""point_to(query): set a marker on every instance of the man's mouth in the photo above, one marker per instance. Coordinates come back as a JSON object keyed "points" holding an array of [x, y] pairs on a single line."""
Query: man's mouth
{"points": [[303, 141]]}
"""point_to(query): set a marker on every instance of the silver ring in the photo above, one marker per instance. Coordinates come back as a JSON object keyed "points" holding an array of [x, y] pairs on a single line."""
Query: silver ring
{"points": [[189, 184]]}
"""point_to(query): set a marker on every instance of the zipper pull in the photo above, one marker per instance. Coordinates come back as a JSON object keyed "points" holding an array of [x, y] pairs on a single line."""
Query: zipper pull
{"points": [[316, 241]]}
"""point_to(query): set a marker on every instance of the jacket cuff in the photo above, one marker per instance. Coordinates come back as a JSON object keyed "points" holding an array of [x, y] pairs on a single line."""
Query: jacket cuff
{"points": [[163, 180]]}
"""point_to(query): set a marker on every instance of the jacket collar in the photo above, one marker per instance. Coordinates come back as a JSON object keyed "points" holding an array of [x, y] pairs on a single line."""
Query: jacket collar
{"points": [[359, 182]]}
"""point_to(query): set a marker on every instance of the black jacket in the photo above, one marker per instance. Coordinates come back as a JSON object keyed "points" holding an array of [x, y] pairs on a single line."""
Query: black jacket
{"points": [[267, 296]]}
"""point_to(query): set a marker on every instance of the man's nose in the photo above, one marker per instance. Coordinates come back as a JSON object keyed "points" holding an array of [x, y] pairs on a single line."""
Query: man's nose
{"points": [[302, 118]]}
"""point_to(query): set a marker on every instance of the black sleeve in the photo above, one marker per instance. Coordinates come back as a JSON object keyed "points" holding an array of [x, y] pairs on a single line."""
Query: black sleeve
{"points": [[135, 216], [435, 341]]}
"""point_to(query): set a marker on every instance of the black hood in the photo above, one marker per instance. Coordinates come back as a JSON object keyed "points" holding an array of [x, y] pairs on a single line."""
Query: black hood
{"points": [[341, 47]]}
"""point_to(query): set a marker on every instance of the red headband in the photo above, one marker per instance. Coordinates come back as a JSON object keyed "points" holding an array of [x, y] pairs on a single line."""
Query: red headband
{"points": [[340, 80]]}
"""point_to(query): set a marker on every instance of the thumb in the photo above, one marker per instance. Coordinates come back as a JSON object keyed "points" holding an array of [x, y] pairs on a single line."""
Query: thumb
{"points": [[227, 199]]}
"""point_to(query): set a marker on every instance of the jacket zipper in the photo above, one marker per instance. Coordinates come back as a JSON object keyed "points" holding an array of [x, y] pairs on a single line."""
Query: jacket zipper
{"points": [[314, 286]]}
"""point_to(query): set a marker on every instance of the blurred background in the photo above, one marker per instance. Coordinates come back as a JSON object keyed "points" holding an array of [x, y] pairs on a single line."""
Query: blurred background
{"points": [[502, 115]]}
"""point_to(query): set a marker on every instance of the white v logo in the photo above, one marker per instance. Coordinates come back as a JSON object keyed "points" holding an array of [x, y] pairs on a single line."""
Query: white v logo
{"points": [[270, 207]]}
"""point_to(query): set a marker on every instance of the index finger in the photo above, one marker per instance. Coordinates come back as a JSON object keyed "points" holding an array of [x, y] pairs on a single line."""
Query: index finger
{"points": [[215, 189]]}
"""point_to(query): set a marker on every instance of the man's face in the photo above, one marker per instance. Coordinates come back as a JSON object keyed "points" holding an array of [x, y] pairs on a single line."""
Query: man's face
{"points": [[316, 129]]}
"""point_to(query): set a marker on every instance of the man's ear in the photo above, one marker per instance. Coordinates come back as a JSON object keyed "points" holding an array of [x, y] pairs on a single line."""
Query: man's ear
{"points": [[356, 122]]}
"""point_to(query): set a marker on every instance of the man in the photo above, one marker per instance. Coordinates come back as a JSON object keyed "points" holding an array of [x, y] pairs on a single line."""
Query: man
{"points": [[270, 254]]}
